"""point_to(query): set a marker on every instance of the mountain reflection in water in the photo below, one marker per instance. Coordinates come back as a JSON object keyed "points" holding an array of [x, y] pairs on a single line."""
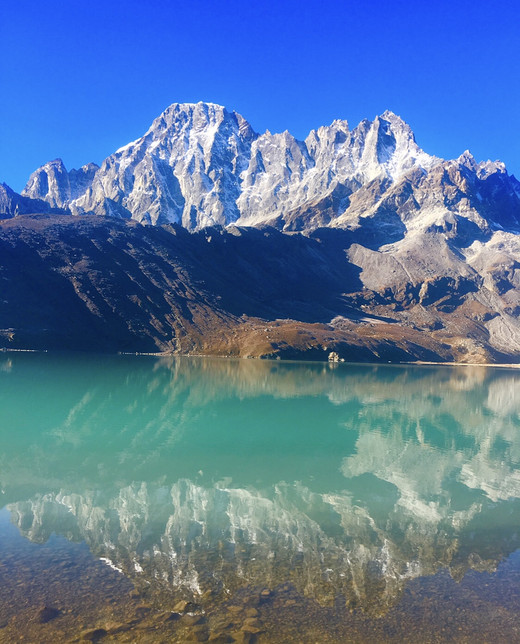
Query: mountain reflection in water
{"points": [[207, 474]]}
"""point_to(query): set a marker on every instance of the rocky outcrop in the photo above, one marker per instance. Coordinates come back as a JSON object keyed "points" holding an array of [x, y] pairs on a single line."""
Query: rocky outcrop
{"points": [[58, 187], [12, 204]]}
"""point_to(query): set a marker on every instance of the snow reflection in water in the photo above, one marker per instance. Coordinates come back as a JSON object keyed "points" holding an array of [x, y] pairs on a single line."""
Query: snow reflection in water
{"points": [[203, 477]]}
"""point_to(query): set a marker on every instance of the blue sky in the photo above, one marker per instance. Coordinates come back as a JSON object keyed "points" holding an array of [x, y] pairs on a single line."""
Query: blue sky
{"points": [[79, 79]]}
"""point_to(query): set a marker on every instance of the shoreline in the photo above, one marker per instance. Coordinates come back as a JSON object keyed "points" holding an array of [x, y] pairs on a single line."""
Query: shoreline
{"points": [[161, 354]]}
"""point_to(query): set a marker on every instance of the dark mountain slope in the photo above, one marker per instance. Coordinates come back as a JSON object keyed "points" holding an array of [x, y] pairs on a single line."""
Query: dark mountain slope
{"points": [[96, 283]]}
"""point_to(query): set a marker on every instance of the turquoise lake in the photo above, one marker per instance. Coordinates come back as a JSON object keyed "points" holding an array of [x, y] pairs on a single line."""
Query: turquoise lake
{"points": [[191, 499]]}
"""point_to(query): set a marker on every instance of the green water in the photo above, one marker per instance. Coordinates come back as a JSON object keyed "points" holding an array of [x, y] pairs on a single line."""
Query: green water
{"points": [[381, 500]]}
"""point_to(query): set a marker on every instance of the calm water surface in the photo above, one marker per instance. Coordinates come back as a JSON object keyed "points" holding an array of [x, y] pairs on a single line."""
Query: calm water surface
{"points": [[174, 500]]}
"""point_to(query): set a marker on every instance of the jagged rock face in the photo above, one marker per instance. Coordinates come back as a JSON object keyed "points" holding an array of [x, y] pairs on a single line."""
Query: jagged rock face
{"points": [[201, 165], [349, 165], [185, 169], [58, 187], [12, 204]]}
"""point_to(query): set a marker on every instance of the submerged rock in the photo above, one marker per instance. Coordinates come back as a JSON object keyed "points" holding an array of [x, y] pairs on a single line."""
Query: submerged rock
{"points": [[47, 613]]}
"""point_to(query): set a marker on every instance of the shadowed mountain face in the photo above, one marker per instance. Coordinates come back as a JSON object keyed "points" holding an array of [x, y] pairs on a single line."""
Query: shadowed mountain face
{"points": [[179, 473], [98, 283]]}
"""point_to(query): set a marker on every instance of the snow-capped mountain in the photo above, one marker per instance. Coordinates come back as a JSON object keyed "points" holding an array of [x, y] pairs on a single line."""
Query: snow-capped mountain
{"points": [[185, 169], [403, 255], [200, 165]]}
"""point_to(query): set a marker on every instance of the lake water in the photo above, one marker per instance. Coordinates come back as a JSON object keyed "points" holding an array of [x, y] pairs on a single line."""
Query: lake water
{"points": [[154, 499]]}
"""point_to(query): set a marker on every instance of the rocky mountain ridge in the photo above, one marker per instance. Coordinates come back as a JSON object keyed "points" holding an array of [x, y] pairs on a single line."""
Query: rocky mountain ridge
{"points": [[12, 204], [200, 165]]}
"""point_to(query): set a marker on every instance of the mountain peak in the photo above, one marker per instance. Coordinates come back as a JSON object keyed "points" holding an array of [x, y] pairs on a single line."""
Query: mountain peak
{"points": [[396, 122], [467, 159], [199, 116], [191, 107], [180, 112], [391, 116], [56, 163], [466, 156], [200, 164], [209, 110]]}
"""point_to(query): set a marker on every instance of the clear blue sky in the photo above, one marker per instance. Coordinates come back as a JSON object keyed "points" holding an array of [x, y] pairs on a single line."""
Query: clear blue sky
{"points": [[79, 78]]}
